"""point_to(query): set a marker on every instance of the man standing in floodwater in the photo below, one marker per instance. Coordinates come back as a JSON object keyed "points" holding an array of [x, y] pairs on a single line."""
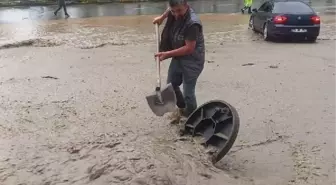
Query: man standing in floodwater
{"points": [[61, 4], [247, 5], [182, 40]]}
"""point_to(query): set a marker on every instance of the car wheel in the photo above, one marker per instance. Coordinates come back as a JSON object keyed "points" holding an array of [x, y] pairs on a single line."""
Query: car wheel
{"points": [[251, 23], [311, 39], [265, 32]]}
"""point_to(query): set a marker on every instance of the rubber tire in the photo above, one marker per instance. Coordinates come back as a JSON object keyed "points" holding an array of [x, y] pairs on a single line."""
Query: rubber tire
{"points": [[265, 28], [251, 25]]}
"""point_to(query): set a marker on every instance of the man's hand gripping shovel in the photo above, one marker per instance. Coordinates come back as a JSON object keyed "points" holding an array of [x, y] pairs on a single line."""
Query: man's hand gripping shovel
{"points": [[162, 100]]}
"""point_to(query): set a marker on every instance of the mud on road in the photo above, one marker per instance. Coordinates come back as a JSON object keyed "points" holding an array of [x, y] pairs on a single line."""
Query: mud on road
{"points": [[74, 112]]}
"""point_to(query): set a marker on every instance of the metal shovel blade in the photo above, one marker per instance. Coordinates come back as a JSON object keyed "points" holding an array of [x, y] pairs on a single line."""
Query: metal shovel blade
{"points": [[167, 103]]}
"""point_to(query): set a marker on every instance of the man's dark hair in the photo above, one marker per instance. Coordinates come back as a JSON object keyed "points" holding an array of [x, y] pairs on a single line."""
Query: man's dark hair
{"points": [[173, 3]]}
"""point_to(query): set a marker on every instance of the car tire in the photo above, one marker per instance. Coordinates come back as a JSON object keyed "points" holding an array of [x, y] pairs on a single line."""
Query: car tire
{"points": [[312, 39], [265, 32], [251, 24]]}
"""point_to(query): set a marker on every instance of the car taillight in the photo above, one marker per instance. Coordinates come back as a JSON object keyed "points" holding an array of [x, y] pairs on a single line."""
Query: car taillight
{"points": [[316, 19], [280, 19]]}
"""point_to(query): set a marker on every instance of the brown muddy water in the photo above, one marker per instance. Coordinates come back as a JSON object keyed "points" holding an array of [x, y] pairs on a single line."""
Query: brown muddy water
{"points": [[101, 31], [39, 26], [17, 14], [73, 110]]}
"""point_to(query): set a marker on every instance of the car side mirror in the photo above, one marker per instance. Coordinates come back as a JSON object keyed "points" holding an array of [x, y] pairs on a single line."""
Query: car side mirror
{"points": [[254, 10]]}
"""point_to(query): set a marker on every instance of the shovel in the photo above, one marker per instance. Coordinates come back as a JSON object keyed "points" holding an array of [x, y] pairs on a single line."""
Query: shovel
{"points": [[162, 100]]}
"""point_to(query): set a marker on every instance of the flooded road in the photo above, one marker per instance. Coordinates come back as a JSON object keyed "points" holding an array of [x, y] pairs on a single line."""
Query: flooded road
{"points": [[73, 109], [76, 114], [104, 23], [18, 14], [100, 31]]}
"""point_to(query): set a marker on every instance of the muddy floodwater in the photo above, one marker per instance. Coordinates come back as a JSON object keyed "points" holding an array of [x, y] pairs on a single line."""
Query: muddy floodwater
{"points": [[73, 108], [17, 14]]}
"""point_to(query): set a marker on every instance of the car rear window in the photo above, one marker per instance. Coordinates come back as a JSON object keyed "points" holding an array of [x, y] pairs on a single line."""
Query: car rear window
{"points": [[292, 8]]}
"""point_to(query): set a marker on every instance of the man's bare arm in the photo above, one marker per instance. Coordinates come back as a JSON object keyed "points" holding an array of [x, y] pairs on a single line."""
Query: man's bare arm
{"points": [[162, 17], [165, 14]]}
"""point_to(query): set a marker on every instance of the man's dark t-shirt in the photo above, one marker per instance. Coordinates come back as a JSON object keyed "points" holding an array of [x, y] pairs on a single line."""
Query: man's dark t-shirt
{"points": [[191, 33]]}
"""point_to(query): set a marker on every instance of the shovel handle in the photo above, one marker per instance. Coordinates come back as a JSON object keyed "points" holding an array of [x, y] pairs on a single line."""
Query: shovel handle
{"points": [[157, 61]]}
